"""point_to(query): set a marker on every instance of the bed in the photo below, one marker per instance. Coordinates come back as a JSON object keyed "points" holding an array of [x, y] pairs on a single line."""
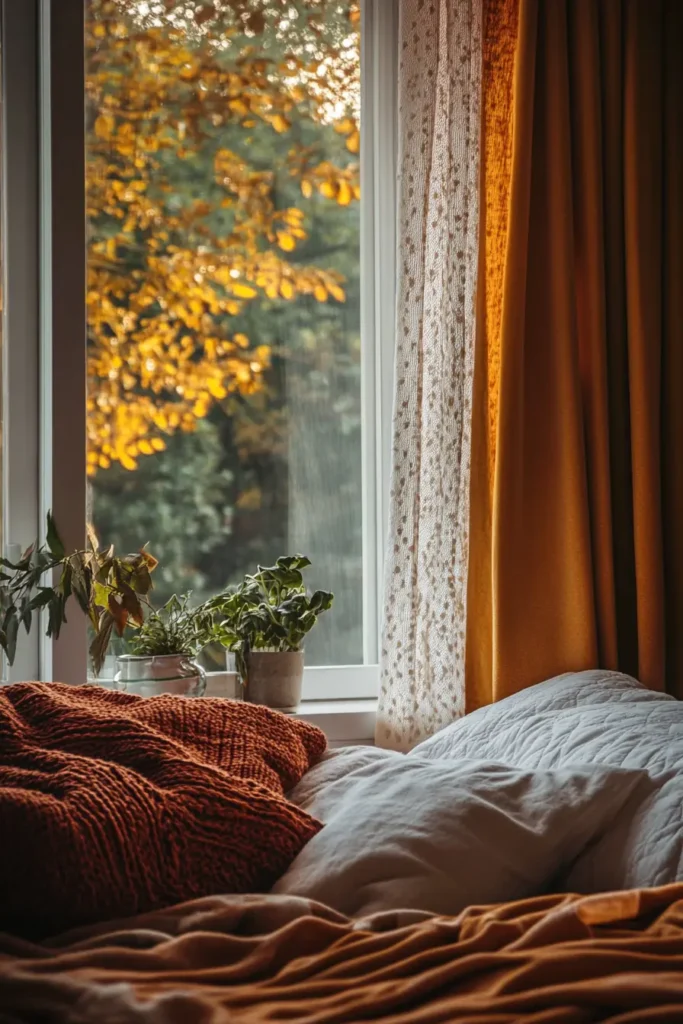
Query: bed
{"points": [[522, 865], [604, 723]]}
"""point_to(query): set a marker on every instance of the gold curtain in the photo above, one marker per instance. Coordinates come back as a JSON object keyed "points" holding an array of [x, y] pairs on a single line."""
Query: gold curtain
{"points": [[576, 521]]}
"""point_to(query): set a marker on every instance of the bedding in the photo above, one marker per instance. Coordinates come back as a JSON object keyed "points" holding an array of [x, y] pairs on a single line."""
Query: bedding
{"points": [[262, 959], [112, 804], [592, 718], [438, 836]]}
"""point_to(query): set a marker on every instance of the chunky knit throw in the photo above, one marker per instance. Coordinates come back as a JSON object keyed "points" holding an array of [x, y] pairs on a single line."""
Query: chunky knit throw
{"points": [[113, 804]]}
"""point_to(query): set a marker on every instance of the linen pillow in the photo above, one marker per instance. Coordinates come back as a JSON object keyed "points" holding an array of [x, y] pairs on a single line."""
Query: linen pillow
{"points": [[113, 804], [408, 833]]}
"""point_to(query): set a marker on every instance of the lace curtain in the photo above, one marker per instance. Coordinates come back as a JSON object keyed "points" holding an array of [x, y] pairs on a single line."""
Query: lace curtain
{"points": [[423, 643]]}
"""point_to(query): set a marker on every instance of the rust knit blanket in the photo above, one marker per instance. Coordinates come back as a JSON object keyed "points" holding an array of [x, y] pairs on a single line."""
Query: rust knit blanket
{"points": [[113, 804], [263, 959]]}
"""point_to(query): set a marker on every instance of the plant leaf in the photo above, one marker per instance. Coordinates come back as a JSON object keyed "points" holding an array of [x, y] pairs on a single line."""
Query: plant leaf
{"points": [[54, 541], [92, 536], [11, 631], [43, 597], [98, 648]]}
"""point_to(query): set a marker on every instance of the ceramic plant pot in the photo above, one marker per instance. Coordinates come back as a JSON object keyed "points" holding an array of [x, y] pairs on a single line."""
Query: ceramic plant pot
{"points": [[148, 675], [274, 678]]}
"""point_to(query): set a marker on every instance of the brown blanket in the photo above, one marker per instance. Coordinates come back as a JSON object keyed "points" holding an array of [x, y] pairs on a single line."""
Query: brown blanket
{"points": [[260, 959], [113, 804]]}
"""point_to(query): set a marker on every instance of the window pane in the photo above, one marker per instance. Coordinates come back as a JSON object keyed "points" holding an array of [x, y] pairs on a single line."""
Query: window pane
{"points": [[224, 423]]}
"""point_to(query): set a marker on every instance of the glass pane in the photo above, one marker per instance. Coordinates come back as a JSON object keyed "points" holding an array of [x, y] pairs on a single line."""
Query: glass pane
{"points": [[224, 402]]}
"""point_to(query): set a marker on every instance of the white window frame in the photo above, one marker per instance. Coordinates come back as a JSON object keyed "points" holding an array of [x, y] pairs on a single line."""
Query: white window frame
{"points": [[55, 397]]}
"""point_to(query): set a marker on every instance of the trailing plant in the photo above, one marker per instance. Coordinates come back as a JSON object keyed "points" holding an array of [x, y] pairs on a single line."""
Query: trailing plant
{"points": [[269, 611], [110, 589], [175, 628]]}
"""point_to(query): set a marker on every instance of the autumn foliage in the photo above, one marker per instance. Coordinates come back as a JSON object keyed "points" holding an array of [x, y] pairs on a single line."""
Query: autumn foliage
{"points": [[187, 224]]}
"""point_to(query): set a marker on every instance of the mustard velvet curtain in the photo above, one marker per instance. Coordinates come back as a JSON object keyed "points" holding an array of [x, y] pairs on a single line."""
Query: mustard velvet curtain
{"points": [[576, 521]]}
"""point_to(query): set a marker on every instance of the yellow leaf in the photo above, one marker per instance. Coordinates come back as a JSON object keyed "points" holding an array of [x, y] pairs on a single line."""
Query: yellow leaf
{"points": [[336, 292], [327, 188], [238, 106], [280, 123], [286, 289], [353, 142], [145, 447], [127, 462], [104, 126], [243, 291], [320, 292], [344, 195], [286, 241], [345, 126], [157, 444], [306, 188]]}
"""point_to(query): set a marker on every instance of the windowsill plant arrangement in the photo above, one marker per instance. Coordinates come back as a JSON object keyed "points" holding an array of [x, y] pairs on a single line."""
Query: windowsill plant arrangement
{"points": [[263, 621]]}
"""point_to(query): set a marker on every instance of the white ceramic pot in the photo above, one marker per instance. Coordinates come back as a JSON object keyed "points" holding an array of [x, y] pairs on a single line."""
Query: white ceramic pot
{"points": [[148, 675], [275, 678]]}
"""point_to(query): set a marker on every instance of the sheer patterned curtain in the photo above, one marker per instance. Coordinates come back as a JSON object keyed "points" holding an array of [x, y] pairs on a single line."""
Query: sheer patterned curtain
{"points": [[423, 645]]}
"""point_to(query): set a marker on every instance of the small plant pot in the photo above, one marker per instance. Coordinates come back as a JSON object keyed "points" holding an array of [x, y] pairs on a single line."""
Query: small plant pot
{"points": [[149, 675], [274, 678]]}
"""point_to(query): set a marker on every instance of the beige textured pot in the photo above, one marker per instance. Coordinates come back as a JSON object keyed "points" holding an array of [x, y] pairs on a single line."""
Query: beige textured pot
{"points": [[274, 678]]}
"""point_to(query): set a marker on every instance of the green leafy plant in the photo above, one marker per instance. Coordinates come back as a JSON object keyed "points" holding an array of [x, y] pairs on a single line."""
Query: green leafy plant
{"points": [[176, 628], [111, 590], [269, 611]]}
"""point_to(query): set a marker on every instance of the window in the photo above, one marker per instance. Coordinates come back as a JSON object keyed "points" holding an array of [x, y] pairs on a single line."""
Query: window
{"points": [[233, 397]]}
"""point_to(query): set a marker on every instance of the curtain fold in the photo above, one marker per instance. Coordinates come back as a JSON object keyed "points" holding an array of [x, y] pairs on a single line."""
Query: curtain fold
{"points": [[423, 645], [576, 503]]}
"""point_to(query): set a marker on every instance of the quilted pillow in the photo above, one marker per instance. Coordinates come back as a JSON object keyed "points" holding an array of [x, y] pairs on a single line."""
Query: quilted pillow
{"points": [[113, 804]]}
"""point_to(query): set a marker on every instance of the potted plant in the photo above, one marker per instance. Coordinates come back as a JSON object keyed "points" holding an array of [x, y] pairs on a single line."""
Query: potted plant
{"points": [[165, 647], [111, 590], [264, 622]]}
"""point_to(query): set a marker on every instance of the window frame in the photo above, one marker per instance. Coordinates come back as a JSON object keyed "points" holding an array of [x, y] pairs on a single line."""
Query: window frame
{"points": [[63, 328], [20, 288]]}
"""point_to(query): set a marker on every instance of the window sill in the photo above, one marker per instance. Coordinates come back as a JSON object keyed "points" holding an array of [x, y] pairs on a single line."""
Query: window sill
{"points": [[343, 721], [349, 720]]}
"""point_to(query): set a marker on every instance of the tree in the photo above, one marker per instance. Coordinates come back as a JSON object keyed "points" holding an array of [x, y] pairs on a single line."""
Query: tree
{"points": [[224, 279], [190, 221]]}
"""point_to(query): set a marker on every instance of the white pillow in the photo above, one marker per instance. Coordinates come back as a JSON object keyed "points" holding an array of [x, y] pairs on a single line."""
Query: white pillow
{"points": [[408, 833]]}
